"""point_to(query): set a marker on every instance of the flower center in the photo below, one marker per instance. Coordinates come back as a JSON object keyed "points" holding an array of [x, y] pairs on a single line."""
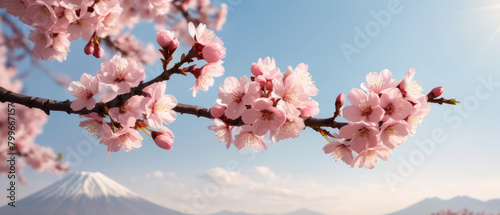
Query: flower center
{"points": [[390, 131], [364, 133], [390, 109], [266, 115], [366, 109]]}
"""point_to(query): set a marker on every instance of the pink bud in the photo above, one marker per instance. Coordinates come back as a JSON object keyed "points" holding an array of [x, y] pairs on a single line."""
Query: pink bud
{"points": [[173, 45], [164, 139], [213, 52], [164, 38], [340, 100], [98, 52], [217, 111], [89, 49], [438, 91]]}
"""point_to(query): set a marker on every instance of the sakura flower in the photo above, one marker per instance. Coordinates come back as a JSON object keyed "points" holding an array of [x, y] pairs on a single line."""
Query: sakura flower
{"points": [[163, 139], [339, 148], [15, 7], [49, 46], [236, 93], [394, 105], [291, 94], [368, 157], [202, 35], [121, 74], [108, 21], [420, 110], [311, 109], [83, 26], [96, 126], [305, 77], [223, 131], [84, 90], [363, 135], [247, 139], [213, 52], [265, 71], [158, 106], [408, 87], [126, 138], [379, 83], [290, 129], [204, 76], [39, 15], [393, 133], [364, 107], [128, 112], [263, 116]]}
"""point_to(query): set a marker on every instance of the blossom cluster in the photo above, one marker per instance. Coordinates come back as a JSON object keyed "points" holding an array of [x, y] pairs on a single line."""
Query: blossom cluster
{"points": [[28, 125], [140, 112], [270, 102], [57, 22], [381, 116], [149, 110]]}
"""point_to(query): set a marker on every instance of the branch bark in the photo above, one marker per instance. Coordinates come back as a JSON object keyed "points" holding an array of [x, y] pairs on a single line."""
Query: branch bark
{"points": [[48, 105]]}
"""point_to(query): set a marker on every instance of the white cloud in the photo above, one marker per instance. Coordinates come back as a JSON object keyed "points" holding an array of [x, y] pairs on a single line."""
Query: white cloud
{"points": [[155, 174]]}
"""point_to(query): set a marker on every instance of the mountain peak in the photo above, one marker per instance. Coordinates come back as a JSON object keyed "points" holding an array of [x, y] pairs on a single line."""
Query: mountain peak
{"points": [[90, 184]]}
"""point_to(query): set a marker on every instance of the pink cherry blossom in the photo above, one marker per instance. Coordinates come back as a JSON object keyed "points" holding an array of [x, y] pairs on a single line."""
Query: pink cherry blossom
{"points": [[204, 76], [223, 131], [236, 94], [368, 158], [83, 26], [247, 139], [394, 105], [121, 74], [126, 138], [213, 52], [15, 7], [290, 129], [364, 107], [84, 90], [363, 135], [408, 87], [379, 83], [97, 127], [128, 112], [393, 133], [305, 77], [49, 46], [311, 109], [163, 139], [437, 91], [420, 110], [202, 35], [265, 71], [263, 116], [291, 94], [339, 148], [39, 15], [158, 106]]}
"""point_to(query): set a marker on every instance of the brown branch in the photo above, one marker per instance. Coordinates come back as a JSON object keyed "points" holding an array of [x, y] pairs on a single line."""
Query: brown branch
{"points": [[48, 105]]}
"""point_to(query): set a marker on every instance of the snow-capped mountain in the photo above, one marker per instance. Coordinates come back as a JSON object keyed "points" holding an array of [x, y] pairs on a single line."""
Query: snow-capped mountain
{"points": [[84, 193], [297, 212], [433, 205]]}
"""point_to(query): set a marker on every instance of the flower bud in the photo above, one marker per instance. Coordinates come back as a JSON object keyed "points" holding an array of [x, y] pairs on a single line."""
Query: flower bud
{"points": [[340, 100], [438, 91], [173, 45], [164, 139], [89, 49], [98, 51], [164, 38], [217, 111]]}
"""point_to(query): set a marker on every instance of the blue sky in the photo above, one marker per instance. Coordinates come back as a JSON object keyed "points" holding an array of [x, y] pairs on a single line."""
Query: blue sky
{"points": [[449, 43]]}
